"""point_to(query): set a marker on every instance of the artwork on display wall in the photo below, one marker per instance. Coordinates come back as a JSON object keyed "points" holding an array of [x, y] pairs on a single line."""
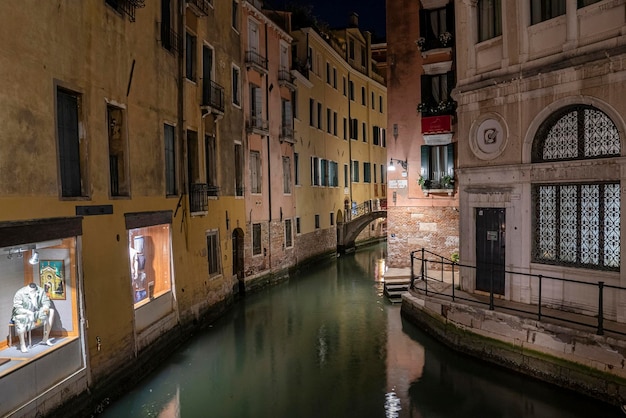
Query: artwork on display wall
{"points": [[52, 278]]}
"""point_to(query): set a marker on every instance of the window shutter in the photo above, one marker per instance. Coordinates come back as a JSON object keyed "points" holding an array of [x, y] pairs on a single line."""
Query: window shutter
{"points": [[425, 172], [450, 159], [427, 93], [451, 76], [423, 23], [450, 18]]}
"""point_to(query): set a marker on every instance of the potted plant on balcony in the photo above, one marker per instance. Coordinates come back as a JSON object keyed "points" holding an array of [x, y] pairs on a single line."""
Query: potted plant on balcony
{"points": [[421, 44], [447, 182], [425, 184], [445, 38]]}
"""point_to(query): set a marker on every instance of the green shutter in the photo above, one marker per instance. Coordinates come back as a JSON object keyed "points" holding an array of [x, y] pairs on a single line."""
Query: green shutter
{"points": [[450, 159], [425, 169]]}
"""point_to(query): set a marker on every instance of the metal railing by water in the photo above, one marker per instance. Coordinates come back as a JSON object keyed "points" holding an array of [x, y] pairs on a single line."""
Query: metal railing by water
{"points": [[428, 266]]}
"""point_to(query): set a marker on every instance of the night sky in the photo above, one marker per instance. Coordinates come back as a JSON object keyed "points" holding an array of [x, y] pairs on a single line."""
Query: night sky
{"points": [[337, 12]]}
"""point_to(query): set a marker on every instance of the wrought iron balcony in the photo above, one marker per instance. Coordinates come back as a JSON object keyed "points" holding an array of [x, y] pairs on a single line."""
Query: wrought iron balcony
{"points": [[287, 134], [126, 6], [212, 97], [286, 79], [257, 62], [258, 125], [213, 190], [302, 66], [199, 7], [170, 39], [431, 107], [198, 197]]}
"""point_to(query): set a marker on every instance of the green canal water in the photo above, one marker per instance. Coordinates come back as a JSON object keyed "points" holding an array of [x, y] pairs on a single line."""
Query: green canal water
{"points": [[328, 344]]}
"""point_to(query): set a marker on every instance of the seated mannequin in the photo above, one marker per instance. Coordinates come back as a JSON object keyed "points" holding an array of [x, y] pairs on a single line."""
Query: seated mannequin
{"points": [[31, 308]]}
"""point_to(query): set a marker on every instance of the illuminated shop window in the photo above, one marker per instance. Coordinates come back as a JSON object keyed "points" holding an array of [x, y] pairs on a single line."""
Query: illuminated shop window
{"points": [[38, 301], [150, 272]]}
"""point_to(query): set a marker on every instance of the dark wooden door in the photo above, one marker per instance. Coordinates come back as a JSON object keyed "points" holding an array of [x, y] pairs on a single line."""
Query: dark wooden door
{"points": [[490, 251]]}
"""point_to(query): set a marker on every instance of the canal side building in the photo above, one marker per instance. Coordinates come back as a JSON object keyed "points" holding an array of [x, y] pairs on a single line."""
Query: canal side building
{"points": [[541, 114], [268, 87], [149, 175], [541, 143], [117, 119], [423, 144], [340, 135]]}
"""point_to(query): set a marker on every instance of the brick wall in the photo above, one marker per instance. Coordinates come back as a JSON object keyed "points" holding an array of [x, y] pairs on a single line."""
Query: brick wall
{"points": [[411, 228]]}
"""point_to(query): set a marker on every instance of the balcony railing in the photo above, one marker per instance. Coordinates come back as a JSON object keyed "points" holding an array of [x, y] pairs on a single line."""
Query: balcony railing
{"points": [[286, 79], [213, 190], [213, 96], [302, 66], [287, 134], [257, 124], [444, 40], [198, 200], [256, 61], [170, 39], [200, 7], [433, 108], [126, 6]]}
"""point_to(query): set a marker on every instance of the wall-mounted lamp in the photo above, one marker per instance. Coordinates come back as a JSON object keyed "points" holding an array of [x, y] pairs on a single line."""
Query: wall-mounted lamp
{"points": [[34, 259], [392, 167]]}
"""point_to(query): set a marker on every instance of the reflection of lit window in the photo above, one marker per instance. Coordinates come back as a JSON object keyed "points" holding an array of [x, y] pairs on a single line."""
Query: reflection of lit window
{"points": [[149, 262]]}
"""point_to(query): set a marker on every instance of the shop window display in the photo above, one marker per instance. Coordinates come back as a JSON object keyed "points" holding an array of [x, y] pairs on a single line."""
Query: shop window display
{"points": [[38, 298], [149, 252]]}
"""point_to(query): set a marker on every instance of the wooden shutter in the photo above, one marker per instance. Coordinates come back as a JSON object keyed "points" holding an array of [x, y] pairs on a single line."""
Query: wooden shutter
{"points": [[69, 150]]}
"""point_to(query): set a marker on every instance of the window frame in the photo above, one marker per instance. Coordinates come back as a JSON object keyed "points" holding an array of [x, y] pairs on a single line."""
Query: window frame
{"points": [[256, 174], [236, 85], [191, 56], [170, 159], [256, 237], [214, 267], [488, 19], [543, 10]]}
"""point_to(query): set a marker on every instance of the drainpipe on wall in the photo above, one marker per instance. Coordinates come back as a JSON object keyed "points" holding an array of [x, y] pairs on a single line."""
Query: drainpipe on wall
{"points": [[269, 155], [181, 91], [181, 107]]}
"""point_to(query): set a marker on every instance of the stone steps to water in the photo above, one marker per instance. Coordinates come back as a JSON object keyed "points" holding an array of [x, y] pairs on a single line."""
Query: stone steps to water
{"points": [[394, 289]]}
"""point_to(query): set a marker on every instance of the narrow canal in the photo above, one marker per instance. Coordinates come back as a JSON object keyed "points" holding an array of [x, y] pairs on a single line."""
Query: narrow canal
{"points": [[328, 344]]}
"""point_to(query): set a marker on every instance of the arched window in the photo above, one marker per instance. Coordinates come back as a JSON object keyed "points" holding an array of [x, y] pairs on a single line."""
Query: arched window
{"points": [[577, 224], [575, 133]]}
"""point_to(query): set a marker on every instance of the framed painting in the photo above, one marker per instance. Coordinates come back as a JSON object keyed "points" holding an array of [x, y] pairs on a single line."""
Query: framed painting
{"points": [[52, 278]]}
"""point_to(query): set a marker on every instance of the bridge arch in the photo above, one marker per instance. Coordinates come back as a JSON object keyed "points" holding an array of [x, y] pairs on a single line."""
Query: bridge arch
{"points": [[348, 231]]}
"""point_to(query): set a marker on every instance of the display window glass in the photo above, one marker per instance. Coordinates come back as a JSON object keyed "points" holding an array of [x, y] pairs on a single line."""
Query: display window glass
{"points": [[150, 263], [38, 300]]}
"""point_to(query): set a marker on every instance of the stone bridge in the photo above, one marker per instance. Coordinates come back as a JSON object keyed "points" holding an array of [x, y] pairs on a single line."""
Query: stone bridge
{"points": [[361, 216]]}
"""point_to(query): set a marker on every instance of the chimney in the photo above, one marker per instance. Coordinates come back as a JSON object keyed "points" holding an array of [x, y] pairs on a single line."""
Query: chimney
{"points": [[353, 21]]}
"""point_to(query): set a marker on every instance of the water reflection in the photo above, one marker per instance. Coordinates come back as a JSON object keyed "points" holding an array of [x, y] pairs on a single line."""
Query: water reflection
{"points": [[327, 344]]}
